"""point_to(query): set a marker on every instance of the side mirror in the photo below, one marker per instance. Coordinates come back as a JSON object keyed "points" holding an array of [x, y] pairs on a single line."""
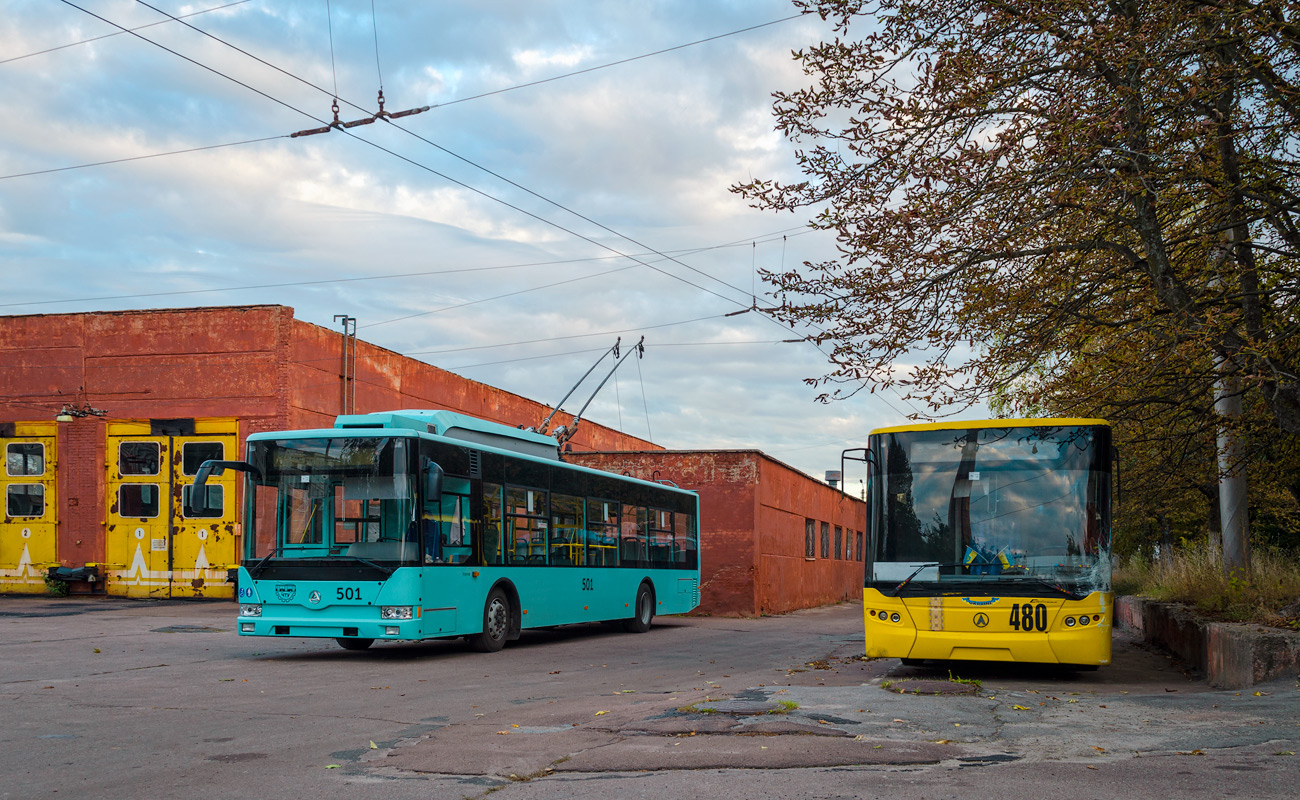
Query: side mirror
{"points": [[198, 505], [433, 475]]}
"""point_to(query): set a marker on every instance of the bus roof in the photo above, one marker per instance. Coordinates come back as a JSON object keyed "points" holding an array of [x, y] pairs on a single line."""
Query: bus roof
{"points": [[458, 426], [1033, 422], [421, 424]]}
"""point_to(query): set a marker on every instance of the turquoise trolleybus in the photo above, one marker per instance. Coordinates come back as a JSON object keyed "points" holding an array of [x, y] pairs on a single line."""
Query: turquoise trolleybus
{"points": [[412, 525]]}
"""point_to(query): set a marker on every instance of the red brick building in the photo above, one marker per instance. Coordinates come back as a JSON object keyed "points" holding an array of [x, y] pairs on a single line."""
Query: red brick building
{"points": [[105, 416]]}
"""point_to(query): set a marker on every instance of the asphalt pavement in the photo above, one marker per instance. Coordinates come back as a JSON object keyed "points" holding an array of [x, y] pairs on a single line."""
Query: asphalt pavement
{"points": [[120, 698]]}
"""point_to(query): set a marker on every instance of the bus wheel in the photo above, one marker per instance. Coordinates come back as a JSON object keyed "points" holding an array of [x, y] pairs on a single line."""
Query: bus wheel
{"points": [[355, 644], [645, 611], [496, 624]]}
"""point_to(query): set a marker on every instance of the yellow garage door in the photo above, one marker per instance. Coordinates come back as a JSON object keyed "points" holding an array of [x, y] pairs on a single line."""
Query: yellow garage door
{"points": [[28, 483], [155, 546]]}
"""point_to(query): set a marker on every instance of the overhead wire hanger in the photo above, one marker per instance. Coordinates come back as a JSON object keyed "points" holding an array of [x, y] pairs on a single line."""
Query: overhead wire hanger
{"points": [[378, 115]]}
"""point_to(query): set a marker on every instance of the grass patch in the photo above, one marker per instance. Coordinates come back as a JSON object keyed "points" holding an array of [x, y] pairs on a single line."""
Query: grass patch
{"points": [[966, 681], [1195, 575], [786, 707]]}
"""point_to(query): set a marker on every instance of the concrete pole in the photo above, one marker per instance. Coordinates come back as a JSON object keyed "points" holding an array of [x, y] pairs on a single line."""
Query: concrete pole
{"points": [[1233, 511]]}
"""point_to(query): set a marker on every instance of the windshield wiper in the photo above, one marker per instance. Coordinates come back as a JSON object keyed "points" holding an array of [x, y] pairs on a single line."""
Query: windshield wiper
{"points": [[369, 563], [915, 572], [1044, 582], [980, 562], [256, 569]]}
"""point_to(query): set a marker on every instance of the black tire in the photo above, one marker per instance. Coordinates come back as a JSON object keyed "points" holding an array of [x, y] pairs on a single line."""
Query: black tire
{"points": [[643, 611], [355, 644], [496, 624], [913, 662]]}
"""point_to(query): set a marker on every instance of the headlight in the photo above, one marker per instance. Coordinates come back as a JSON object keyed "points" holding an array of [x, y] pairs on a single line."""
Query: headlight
{"points": [[1069, 622], [894, 617], [395, 612], [1083, 620], [250, 611]]}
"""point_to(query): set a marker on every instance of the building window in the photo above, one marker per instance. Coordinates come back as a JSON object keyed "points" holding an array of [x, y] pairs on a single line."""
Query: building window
{"points": [[137, 500], [839, 542], [193, 454], [215, 506], [859, 545], [138, 458], [25, 458], [810, 538], [848, 545], [25, 500], [826, 540]]}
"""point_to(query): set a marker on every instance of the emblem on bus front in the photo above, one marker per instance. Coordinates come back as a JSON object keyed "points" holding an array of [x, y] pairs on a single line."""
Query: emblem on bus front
{"points": [[981, 620], [314, 597], [285, 591]]}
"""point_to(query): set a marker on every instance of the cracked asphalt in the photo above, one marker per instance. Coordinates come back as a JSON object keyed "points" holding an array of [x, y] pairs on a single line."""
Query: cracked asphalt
{"points": [[126, 698]]}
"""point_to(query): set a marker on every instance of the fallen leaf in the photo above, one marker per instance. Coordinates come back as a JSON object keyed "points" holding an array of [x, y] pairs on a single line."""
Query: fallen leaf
{"points": [[331, 766], [1191, 752], [503, 733], [1099, 749], [1020, 708], [1260, 694], [1093, 767], [900, 720], [373, 746], [96, 649], [598, 713]]}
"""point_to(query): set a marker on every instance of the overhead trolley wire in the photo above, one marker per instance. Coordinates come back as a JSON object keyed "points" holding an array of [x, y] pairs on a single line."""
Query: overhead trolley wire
{"points": [[248, 287], [448, 178], [119, 33], [180, 17], [408, 160], [478, 166]]}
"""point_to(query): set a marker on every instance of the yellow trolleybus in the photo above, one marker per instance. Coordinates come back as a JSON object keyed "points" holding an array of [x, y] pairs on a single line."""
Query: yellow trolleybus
{"points": [[990, 541]]}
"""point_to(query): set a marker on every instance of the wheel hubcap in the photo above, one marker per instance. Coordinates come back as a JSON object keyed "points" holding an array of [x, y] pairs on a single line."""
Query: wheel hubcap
{"points": [[496, 619]]}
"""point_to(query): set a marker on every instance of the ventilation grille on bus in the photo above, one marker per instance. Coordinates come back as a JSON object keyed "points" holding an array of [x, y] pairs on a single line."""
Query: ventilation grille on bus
{"points": [[475, 464]]}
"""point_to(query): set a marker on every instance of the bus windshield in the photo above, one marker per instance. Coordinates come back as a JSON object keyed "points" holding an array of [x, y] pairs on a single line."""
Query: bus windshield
{"points": [[991, 510], [345, 497]]}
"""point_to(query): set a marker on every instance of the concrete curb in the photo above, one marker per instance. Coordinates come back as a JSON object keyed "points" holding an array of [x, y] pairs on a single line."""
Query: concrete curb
{"points": [[1230, 655]]}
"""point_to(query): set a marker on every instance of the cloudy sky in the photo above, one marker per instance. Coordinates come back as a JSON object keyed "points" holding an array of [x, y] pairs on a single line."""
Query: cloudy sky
{"points": [[508, 234]]}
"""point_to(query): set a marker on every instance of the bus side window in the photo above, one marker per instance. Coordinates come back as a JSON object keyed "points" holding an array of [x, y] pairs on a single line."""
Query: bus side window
{"points": [[492, 553], [632, 549], [660, 537], [566, 530], [602, 533], [685, 541]]}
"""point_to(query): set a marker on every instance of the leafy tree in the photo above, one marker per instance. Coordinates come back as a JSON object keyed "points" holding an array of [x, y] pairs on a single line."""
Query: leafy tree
{"points": [[1055, 203]]}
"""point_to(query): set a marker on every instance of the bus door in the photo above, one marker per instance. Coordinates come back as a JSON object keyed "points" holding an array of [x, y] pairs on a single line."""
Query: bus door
{"points": [[28, 528], [155, 547]]}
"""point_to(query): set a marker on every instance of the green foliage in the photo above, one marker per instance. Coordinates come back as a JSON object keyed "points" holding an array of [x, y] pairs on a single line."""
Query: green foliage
{"points": [[1194, 574], [56, 587]]}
